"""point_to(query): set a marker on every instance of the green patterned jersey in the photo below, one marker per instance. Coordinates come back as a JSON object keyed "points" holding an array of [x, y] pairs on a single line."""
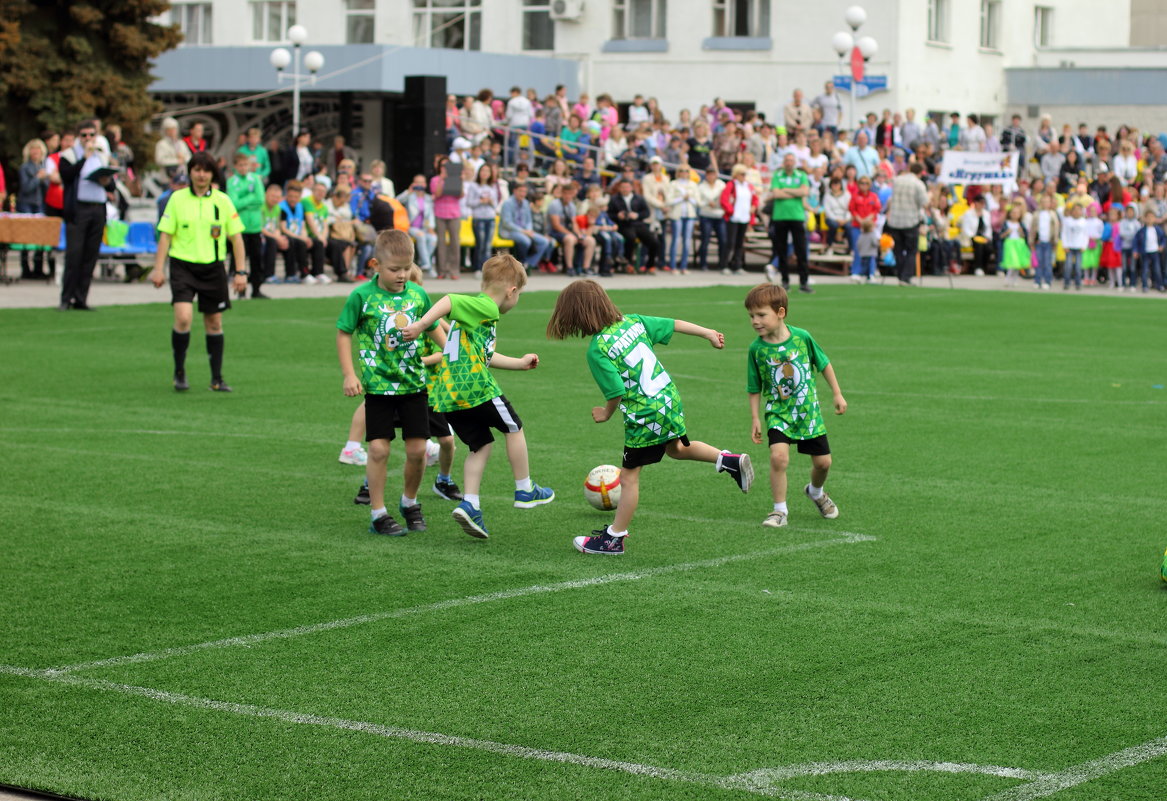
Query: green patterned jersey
{"points": [[389, 364], [624, 365], [464, 379], [783, 373]]}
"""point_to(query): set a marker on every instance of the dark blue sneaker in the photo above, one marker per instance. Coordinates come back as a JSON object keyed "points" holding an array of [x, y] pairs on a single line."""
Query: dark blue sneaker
{"points": [[413, 519], [601, 542], [363, 498], [470, 519], [536, 497], [448, 490], [738, 465], [387, 526]]}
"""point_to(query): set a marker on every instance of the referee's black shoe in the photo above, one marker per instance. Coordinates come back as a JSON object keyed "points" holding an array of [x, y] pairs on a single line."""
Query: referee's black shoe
{"points": [[180, 382], [220, 386]]}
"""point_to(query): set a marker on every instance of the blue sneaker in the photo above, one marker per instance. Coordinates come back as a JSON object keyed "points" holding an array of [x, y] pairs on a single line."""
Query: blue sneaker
{"points": [[536, 497], [470, 519], [292, 279], [275, 279]]}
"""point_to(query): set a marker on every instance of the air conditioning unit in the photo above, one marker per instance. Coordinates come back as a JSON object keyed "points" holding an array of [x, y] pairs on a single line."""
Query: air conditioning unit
{"points": [[567, 10]]}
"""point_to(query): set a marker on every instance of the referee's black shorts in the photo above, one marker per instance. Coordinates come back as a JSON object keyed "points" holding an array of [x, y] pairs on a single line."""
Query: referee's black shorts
{"points": [[207, 282]]}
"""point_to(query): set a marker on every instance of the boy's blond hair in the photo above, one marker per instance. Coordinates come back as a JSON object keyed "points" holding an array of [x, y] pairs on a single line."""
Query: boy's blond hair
{"points": [[767, 295], [503, 271], [393, 247]]}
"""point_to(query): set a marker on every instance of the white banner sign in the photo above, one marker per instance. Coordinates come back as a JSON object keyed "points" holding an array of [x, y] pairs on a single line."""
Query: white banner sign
{"points": [[978, 168]]}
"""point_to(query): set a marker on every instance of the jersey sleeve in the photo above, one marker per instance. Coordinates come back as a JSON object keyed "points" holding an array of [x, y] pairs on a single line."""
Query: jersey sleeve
{"points": [[233, 224], [472, 310], [166, 223], [350, 315], [753, 379], [659, 329], [818, 359], [604, 372]]}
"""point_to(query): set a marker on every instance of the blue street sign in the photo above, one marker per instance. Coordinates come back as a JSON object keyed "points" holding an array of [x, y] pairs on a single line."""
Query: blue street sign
{"points": [[869, 84]]}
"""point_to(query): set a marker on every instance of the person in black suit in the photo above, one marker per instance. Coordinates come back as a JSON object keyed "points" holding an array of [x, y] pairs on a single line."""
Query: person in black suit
{"points": [[631, 215], [84, 212]]}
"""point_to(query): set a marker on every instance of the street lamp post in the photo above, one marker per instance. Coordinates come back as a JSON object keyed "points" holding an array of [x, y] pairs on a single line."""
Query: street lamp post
{"points": [[861, 48], [280, 59]]}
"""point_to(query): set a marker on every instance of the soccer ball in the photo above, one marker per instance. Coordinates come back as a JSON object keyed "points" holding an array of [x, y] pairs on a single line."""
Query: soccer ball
{"points": [[602, 488]]}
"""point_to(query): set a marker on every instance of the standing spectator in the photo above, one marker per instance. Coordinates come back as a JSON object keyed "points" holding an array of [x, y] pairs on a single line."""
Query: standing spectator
{"points": [[254, 149], [1044, 233], [739, 203], [831, 106], [976, 230], [862, 157], [864, 207], [420, 208], [281, 165], [447, 190], [85, 199], [972, 137], [1125, 164], [301, 157], [991, 144], [797, 115], [30, 199], [1148, 246], [788, 189], [516, 224], [1014, 138], [605, 114], [637, 114], [836, 203], [910, 132], [711, 218], [1051, 162], [905, 209], [245, 190], [656, 191], [682, 213], [931, 134], [954, 130], [194, 141], [519, 116], [194, 231], [483, 200], [171, 153], [631, 215], [885, 131], [340, 151]]}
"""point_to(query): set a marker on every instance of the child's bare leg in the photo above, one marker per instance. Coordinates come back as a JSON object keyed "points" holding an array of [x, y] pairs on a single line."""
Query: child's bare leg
{"points": [[517, 454], [820, 466], [694, 451], [446, 457], [473, 468], [779, 461], [414, 466], [629, 498], [356, 429], [375, 471]]}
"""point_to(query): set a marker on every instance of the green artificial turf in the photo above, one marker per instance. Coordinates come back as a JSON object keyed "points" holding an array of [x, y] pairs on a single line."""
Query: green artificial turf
{"points": [[988, 595]]}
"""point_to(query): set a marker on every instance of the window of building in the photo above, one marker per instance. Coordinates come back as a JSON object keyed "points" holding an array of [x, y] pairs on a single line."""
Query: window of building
{"points": [[990, 22], [1043, 25], [194, 20], [270, 19], [938, 20], [638, 19], [538, 27], [450, 24], [359, 21], [741, 17]]}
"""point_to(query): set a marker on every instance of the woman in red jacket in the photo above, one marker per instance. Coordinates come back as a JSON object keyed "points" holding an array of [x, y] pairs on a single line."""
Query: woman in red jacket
{"points": [[739, 201], [864, 205]]}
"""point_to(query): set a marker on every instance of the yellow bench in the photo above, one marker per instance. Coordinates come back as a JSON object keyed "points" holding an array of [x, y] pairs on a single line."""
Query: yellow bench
{"points": [[466, 235]]}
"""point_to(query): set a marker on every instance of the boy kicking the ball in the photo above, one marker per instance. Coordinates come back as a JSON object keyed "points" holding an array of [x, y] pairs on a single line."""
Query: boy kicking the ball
{"points": [[780, 373]]}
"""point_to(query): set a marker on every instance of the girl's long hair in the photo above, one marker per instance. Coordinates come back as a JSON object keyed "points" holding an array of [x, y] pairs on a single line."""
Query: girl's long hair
{"points": [[583, 308]]}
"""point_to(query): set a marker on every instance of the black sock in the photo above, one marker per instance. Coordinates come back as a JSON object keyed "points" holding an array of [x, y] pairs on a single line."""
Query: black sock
{"points": [[215, 351], [179, 343]]}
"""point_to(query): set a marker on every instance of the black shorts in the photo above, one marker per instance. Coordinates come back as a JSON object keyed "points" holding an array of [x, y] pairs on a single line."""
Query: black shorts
{"points": [[207, 281], [384, 413], [649, 454], [817, 446], [473, 425], [438, 427]]}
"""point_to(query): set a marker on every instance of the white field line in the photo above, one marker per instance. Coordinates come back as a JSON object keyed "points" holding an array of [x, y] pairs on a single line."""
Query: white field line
{"points": [[1074, 775], [759, 782], [159, 433], [844, 538]]}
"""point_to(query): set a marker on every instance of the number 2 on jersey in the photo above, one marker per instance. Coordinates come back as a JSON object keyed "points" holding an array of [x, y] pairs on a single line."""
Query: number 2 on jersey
{"points": [[642, 354]]}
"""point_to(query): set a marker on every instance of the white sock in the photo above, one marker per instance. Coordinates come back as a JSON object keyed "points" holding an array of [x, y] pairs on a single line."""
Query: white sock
{"points": [[351, 445], [408, 502], [814, 492], [523, 484], [380, 512], [717, 464], [472, 500], [615, 533], [780, 507]]}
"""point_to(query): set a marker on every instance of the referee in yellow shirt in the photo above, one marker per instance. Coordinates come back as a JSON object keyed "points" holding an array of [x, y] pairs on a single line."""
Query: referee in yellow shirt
{"points": [[194, 230]]}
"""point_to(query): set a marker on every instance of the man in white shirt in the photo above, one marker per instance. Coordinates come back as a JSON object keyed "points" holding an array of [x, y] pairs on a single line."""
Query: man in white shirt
{"points": [[519, 114], [972, 138], [831, 106]]}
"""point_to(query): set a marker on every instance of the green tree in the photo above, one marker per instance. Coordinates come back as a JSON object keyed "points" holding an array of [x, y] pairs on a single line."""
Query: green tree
{"points": [[64, 60]]}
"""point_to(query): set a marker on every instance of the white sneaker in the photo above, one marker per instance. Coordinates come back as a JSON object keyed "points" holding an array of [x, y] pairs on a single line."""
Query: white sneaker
{"points": [[323, 279], [354, 456], [310, 279], [824, 503], [857, 279], [775, 520], [771, 274], [432, 451]]}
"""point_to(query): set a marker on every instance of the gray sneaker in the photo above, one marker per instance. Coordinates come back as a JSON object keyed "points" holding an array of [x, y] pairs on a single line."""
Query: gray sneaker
{"points": [[775, 520], [826, 506]]}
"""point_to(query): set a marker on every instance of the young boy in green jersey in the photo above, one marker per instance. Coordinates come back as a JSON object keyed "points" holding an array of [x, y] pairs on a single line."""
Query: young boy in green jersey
{"points": [[247, 194], [627, 371], [467, 393], [273, 240], [780, 372], [392, 375]]}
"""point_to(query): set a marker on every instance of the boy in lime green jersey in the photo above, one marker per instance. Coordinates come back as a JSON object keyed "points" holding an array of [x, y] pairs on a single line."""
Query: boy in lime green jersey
{"points": [[392, 375], [316, 221], [467, 393], [780, 373], [273, 240]]}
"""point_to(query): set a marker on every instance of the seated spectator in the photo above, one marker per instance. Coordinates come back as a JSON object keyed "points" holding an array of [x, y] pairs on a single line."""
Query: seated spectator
{"points": [[632, 216], [422, 227], [171, 153], [517, 224]]}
